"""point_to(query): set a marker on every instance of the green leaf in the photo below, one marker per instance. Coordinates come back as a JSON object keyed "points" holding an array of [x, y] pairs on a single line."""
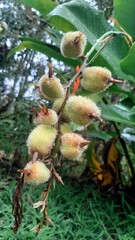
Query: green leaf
{"points": [[116, 89], [96, 97], [128, 63], [124, 12], [93, 133], [45, 48], [43, 6], [93, 24], [118, 113]]}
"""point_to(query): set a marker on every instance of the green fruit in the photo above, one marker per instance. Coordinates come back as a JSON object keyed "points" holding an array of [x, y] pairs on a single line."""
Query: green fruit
{"points": [[96, 79], [41, 139], [48, 118], [51, 87], [73, 44], [57, 105], [82, 110], [65, 128]]}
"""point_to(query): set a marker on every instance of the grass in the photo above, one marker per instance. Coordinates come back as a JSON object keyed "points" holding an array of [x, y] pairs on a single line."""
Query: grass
{"points": [[77, 210]]}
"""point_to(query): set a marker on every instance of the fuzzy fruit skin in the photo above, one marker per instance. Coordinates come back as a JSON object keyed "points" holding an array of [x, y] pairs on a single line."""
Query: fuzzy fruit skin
{"points": [[96, 79], [73, 44], [37, 173], [70, 146], [51, 87], [41, 139], [65, 128], [57, 105], [80, 110], [50, 118]]}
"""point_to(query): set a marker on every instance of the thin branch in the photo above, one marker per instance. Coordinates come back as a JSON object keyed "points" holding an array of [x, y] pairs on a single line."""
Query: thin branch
{"points": [[106, 41]]}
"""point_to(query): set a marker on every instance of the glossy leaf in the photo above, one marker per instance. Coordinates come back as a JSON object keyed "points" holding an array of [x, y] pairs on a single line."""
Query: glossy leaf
{"points": [[93, 24], [124, 12], [118, 113], [43, 6], [116, 89], [93, 133], [45, 48], [128, 63]]}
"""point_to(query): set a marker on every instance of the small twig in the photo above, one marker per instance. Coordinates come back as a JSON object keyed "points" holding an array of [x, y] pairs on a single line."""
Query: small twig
{"points": [[50, 73], [44, 208], [104, 36], [73, 79], [35, 156], [106, 41], [63, 104]]}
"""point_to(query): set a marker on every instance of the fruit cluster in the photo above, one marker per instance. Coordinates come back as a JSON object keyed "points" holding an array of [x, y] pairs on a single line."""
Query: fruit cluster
{"points": [[52, 134]]}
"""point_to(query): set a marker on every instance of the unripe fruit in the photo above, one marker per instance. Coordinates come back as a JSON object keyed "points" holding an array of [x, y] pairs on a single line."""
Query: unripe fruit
{"points": [[41, 139], [72, 146], [65, 128], [36, 173], [57, 105], [82, 110], [51, 87], [46, 116], [96, 79], [73, 44]]}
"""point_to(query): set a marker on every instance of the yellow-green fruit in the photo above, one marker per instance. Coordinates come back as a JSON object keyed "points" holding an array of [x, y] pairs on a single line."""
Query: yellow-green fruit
{"points": [[82, 110], [72, 146], [36, 173], [48, 118], [65, 128], [51, 87], [57, 105], [96, 79], [41, 139], [73, 44]]}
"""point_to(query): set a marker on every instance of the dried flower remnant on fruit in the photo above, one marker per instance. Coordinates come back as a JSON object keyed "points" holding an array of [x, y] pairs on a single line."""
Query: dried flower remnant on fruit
{"points": [[72, 146], [36, 173], [82, 110], [41, 139], [57, 105], [45, 116], [96, 79], [51, 87], [73, 44]]}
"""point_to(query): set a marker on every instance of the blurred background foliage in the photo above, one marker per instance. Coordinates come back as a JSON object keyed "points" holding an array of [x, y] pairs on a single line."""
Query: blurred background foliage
{"points": [[31, 41]]}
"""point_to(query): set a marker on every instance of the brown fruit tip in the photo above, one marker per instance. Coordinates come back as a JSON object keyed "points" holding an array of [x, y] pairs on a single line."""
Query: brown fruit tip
{"points": [[85, 143], [115, 80]]}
